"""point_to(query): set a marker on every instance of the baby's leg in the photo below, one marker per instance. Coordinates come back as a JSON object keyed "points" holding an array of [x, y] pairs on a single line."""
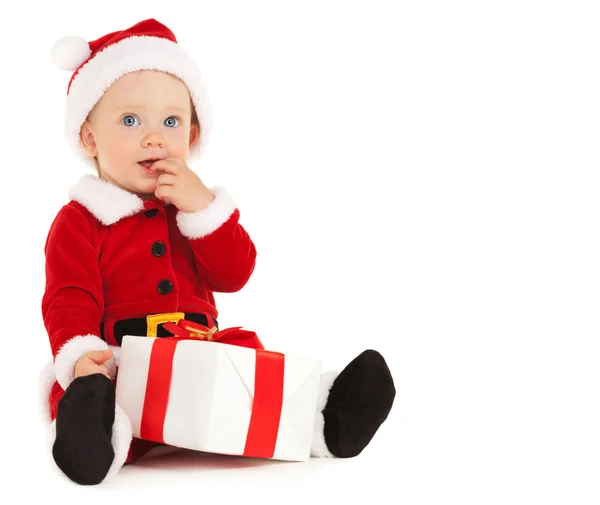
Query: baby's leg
{"points": [[84, 418], [352, 406], [90, 435]]}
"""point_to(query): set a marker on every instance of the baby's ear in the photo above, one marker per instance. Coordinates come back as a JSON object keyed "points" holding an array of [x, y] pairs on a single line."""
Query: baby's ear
{"points": [[86, 138], [194, 133]]}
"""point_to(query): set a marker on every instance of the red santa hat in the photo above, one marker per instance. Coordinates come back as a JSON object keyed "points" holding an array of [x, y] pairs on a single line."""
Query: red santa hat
{"points": [[147, 45]]}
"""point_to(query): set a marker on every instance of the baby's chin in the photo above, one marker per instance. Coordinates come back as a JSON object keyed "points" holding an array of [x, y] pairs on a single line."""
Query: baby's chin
{"points": [[145, 189]]}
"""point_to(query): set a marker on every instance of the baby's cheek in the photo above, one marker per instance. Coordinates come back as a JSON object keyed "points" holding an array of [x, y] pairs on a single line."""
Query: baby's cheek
{"points": [[126, 151], [178, 144]]}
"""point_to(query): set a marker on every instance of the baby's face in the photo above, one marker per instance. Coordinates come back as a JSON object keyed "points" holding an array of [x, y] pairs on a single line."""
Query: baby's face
{"points": [[143, 115]]}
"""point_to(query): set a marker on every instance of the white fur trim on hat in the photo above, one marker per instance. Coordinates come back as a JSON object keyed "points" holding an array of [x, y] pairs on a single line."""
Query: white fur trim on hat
{"points": [[71, 351], [70, 52], [204, 222], [130, 55], [319, 447]]}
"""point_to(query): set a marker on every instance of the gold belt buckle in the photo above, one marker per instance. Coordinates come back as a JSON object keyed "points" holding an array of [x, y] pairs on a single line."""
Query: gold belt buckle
{"points": [[153, 320]]}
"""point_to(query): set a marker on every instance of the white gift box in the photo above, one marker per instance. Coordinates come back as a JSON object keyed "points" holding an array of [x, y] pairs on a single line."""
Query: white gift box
{"points": [[208, 392]]}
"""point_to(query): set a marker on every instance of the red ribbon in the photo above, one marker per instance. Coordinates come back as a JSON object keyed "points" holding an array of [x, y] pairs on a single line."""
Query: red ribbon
{"points": [[158, 385], [266, 407], [268, 385], [190, 330]]}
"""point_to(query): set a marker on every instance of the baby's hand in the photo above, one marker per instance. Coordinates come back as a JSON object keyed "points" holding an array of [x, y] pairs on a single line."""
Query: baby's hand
{"points": [[181, 186], [93, 362]]}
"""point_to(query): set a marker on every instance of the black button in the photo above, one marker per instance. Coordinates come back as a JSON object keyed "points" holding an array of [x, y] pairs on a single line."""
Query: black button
{"points": [[151, 212], [165, 287], [158, 249]]}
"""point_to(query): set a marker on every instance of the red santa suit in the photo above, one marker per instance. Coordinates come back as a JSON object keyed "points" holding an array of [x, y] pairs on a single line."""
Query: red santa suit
{"points": [[111, 257]]}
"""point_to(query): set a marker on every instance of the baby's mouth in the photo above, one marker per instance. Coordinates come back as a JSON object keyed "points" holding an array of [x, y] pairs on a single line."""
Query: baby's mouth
{"points": [[147, 163]]}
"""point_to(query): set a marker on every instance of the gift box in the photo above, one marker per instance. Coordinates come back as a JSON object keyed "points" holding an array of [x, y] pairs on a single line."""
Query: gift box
{"points": [[220, 398]]}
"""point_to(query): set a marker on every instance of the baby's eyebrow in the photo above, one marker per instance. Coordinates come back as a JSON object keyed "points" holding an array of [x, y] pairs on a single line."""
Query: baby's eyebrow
{"points": [[126, 108], [180, 109]]}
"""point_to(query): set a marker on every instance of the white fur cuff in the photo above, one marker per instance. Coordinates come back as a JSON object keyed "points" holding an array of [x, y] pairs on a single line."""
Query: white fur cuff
{"points": [[319, 447], [71, 351], [204, 222], [121, 440], [46, 381], [116, 350]]}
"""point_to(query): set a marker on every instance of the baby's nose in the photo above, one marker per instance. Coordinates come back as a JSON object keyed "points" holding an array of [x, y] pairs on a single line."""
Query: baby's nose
{"points": [[153, 140]]}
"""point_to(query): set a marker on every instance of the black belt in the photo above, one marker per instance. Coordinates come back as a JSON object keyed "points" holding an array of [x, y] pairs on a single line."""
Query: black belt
{"points": [[139, 326]]}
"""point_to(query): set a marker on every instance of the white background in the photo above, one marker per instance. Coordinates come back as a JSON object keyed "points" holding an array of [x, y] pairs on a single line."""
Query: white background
{"points": [[419, 178]]}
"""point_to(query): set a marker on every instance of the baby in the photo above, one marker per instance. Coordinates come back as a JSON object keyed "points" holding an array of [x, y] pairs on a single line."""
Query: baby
{"points": [[143, 242]]}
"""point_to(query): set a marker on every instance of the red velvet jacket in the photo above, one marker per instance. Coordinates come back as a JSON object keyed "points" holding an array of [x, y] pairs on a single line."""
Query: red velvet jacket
{"points": [[111, 255]]}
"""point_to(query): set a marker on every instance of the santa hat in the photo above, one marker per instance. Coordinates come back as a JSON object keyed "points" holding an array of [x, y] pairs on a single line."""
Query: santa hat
{"points": [[148, 45]]}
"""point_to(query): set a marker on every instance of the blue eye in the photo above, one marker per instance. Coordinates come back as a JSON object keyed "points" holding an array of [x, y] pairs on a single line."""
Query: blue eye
{"points": [[171, 121], [129, 120]]}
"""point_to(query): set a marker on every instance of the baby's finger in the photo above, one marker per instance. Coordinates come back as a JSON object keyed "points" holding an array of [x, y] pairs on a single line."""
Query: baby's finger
{"points": [[100, 357], [165, 179], [168, 165], [163, 191]]}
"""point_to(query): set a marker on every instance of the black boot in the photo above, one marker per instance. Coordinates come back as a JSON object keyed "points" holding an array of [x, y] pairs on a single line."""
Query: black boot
{"points": [[84, 418], [359, 400]]}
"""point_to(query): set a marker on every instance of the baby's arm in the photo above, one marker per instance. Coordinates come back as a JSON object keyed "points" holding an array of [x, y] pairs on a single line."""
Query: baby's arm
{"points": [[73, 300], [225, 254]]}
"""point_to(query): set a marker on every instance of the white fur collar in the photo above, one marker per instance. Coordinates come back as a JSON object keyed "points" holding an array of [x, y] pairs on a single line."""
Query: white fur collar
{"points": [[107, 202]]}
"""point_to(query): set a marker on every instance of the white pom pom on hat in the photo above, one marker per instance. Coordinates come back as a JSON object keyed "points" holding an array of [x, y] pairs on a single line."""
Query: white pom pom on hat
{"points": [[147, 45], [70, 52]]}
